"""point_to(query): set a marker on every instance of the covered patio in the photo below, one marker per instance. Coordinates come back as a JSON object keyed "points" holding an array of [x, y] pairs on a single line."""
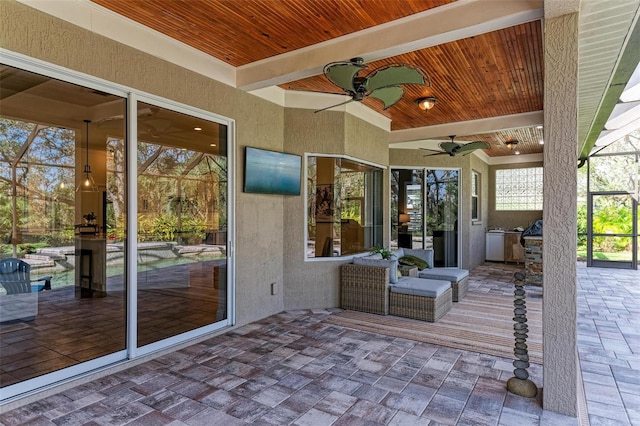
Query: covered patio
{"points": [[297, 367]]}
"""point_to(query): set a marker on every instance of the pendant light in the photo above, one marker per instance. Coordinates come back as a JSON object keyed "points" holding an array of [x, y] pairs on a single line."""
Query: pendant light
{"points": [[87, 184]]}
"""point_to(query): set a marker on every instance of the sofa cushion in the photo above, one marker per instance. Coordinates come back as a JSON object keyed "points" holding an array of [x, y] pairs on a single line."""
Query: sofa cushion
{"points": [[392, 264], [398, 253], [411, 260], [449, 274], [420, 287], [426, 255]]}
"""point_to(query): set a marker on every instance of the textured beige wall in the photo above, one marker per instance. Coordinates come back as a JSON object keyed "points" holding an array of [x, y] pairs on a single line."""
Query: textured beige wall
{"points": [[315, 283], [478, 229], [472, 247], [259, 243], [560, 371], [509, 219]]}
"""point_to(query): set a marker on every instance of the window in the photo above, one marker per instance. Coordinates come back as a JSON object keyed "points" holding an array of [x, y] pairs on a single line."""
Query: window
{"points": [[519, 189], [475, 196], [344, 202]]}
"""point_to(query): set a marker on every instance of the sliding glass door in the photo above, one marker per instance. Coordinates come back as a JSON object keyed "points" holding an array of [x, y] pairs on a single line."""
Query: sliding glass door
{"points": [[424, 211], [74, 186], [182, 223], [62, 180], [441, 214]]}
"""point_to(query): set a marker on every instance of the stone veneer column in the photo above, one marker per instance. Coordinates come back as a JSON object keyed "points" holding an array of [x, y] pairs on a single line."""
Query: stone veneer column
{"points": [[560, 370], [533, 260]]}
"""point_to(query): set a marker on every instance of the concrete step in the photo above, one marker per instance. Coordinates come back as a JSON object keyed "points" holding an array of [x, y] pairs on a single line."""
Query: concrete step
{"points": [[38, 261]]}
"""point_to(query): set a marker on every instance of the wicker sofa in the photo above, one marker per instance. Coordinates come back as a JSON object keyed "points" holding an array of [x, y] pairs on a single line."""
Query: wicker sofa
{"points": [[459, 278], [367, 288]]}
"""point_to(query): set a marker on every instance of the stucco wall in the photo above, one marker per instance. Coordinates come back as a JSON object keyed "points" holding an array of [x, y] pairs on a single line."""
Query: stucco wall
{"points": [[477, 229], [560, 372], [509, 219], [259, 244], [315, 283]]}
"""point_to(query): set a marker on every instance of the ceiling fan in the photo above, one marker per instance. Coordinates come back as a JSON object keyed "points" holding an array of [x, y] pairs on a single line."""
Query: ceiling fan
{"points": [[453, 148], [382, 83]]}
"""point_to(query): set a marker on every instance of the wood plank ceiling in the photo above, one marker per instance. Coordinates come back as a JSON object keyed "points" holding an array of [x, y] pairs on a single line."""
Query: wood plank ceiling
{"points": [[493, 74]]}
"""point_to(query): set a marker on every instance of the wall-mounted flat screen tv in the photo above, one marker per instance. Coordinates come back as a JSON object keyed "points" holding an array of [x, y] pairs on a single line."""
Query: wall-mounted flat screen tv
{"points": [[271, 172]]}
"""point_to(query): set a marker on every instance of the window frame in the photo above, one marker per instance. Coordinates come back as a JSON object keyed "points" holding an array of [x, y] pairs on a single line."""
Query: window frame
{"points": [[307, 156], [476, 190]]}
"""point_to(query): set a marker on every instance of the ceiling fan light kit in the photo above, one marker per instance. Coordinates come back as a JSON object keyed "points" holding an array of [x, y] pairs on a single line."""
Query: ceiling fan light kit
{"points": [[511, 143], [427, 103]]}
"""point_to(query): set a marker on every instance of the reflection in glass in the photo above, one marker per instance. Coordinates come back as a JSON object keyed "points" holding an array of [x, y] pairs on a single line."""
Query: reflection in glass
{"points": [[406, 208], [441, 212], [77, 312], [182, 223], [417, 194], [344, 207]]}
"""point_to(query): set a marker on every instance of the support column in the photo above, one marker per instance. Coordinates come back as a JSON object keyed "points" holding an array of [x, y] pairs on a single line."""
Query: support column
{"points": [[560, 370]]}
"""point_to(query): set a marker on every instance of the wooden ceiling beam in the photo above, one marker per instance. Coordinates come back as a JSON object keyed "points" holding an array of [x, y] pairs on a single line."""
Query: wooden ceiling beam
{"points": [[454, 21]]}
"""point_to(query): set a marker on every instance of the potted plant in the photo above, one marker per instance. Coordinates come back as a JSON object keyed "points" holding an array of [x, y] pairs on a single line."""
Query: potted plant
{"points": [[89, 218], [382, 251]]}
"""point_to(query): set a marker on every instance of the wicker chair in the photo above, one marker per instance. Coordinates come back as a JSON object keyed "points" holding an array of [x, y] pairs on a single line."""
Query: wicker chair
{"points": [[364, 288]]}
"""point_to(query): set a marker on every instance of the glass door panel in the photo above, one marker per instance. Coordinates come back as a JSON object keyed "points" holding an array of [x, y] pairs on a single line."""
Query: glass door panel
{"points": [[441, 211], [407, 218], [412, 235], [182, 223], [612, 233], [59, 229]]}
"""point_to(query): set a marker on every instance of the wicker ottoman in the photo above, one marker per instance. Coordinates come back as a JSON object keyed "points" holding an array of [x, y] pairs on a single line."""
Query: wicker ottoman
{"points": [[459, 279], [419, 298]]}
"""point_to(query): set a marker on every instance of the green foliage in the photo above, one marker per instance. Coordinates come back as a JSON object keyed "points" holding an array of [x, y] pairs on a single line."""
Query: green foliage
{"points": [[22, 249], [383, 251], [164, 227], [582, 224]]}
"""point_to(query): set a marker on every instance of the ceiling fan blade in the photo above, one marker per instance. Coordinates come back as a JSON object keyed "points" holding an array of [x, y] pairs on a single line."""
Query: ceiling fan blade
{"points": [[472, 146], [333, 106], [437, 153], [392, 76], [342, 74], [388, 95], [295, 89]]}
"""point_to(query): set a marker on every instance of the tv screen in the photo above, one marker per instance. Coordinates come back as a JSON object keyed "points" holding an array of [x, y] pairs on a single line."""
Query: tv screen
{"points": [[270, 172]]}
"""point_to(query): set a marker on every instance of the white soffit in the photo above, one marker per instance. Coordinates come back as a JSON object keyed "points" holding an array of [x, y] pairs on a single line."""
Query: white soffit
{"points": [[625, 117], [604, 29]]}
